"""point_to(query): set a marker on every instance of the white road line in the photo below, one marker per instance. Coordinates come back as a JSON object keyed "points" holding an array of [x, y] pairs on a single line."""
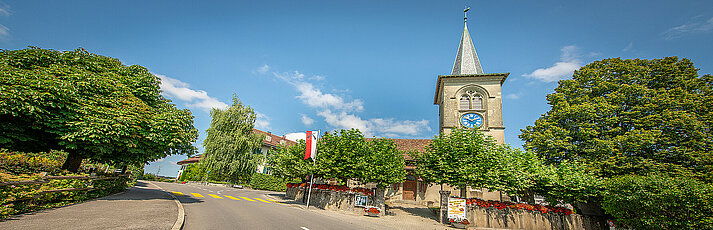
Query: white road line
{"points": [[305, 228]]}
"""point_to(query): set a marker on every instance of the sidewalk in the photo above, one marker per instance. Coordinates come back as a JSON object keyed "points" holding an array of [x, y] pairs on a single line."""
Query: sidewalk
{"points": [[403, 216], [143, 206]]}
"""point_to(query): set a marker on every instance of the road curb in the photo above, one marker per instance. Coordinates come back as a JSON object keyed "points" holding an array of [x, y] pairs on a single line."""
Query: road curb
{"points": [[181, 213]]}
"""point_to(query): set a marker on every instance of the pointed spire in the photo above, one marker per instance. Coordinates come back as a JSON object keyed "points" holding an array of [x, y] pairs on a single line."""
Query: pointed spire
{"points": [[466, 60]]}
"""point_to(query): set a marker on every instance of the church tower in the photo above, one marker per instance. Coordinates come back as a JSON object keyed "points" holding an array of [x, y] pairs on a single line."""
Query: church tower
{"points": [[468, 97]]}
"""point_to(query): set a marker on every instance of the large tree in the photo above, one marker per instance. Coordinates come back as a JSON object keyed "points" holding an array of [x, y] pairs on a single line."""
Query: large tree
{"points": [[464, 157], [287, 162], [91, 106], [630, 117], [231, 142], [343, 155]]}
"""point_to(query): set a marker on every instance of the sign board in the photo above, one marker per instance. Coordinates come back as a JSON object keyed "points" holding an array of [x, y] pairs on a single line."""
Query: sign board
{"points": [[360, 201], [456, 208], [611, 224]]}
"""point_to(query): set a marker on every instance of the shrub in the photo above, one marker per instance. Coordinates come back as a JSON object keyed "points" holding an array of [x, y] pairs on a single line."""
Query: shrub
{"points": [[267, 182], [18, 166], [24, 163], [659, 202]]}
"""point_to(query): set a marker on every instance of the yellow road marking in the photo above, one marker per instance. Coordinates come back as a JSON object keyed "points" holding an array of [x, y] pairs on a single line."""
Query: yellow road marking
{"points": [[262, 200], [275, 201], [178, 193], [197, 195], [245, 198], [215, 196], [231, 197]]}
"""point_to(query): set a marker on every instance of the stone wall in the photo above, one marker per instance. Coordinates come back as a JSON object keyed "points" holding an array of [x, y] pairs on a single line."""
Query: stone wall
{"points": [[524, 219], [333, 200]]}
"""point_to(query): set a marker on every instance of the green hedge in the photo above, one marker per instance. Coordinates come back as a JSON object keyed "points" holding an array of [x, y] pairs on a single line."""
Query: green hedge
{"points": [[660, 202], [268, 182]]}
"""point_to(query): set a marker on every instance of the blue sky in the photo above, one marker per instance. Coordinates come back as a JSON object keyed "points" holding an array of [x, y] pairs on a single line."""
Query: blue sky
{"points": [[365, 64]]}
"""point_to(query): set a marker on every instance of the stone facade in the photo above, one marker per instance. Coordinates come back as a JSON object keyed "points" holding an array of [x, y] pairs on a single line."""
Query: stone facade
{"points": [[523, 219], [333, 200], [449, 92]]}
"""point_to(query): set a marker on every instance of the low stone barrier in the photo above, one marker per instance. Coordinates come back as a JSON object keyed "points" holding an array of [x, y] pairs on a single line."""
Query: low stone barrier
{"points": [[523, 219], [334, 200]]}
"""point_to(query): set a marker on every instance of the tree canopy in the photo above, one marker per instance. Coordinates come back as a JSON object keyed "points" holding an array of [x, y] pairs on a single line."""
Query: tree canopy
{"points": [[640, 133], [90, 106], [287, 162], [346, 154], [630, 117], [343, 155], [465, 157], [231, 142]]}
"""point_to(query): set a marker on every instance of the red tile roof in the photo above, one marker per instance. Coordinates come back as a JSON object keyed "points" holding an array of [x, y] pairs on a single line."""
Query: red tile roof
{"points": [[408, 145], [275, 140], [190, 160]]}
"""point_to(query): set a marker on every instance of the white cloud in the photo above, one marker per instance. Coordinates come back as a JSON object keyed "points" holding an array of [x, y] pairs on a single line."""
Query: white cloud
{"points": [[5, 10], [175, 88], [263, 69], [307, 120], [4, 32], [295, 136], [697, 25], [628, 47], [314, 97], [560, 70], [338, 112], [375, 126], [262, 122], [512, 96]]}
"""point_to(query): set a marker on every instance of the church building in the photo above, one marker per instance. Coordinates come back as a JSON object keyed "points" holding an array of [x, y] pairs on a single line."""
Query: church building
{"points": [[468, 97]]}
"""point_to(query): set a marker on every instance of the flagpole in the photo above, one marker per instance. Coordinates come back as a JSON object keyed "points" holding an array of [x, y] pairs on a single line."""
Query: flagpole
{"points": [[311, 177]]}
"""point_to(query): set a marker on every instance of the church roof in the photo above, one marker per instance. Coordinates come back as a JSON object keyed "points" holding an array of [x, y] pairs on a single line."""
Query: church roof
{"points": [[466, 60]]}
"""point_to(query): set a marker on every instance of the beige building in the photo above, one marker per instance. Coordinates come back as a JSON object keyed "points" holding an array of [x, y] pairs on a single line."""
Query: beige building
{"points": [[469, 98], [270, 142]]}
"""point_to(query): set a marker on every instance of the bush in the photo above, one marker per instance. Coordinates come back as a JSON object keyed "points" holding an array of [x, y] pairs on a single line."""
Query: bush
{"points": [[24, 163], [18, 166], [659, 202], [268, 182]]}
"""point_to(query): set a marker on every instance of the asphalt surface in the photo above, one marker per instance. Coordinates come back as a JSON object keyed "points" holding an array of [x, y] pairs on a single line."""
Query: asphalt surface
{"points": [[143, 206], [211, 207]]}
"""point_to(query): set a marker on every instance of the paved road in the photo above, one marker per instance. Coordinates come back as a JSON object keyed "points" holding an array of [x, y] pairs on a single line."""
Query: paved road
{"points": [[211, 207]]}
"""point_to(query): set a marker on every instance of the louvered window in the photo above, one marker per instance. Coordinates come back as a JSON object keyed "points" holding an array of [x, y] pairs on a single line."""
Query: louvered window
{"points": [[477, 102], [465, 101]]}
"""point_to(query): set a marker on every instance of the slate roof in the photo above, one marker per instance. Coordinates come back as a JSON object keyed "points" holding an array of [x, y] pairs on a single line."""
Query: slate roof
{"points": [[467, 61]]}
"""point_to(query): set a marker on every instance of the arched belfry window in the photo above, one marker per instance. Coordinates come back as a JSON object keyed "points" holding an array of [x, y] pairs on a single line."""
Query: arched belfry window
{"points": [[471, 99], [464, 101], [477, 101]]}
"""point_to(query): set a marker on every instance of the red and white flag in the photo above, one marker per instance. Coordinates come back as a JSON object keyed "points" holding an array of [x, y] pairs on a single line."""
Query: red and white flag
{"points": [[311, 146]]}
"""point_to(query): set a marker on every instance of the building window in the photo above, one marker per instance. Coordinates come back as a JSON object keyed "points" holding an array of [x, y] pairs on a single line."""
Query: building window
{"points": [[471, 99], [477, 101], [464, 102]]}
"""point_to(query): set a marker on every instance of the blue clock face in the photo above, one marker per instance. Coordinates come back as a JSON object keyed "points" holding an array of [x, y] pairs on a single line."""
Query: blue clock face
{"points": [[471, 120]]}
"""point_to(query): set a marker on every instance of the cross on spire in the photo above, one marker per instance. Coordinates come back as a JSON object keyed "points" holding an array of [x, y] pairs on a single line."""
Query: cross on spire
{"points": [[465, 13], [467, 61]]}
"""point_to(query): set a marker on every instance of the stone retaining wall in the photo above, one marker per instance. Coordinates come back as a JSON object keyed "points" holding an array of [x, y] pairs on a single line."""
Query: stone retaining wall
{"points": [[524, 219], [333, 200]]}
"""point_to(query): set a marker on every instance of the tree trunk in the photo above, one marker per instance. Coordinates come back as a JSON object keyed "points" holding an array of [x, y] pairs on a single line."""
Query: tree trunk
{"points": [[73, 161], [464, 192]]}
